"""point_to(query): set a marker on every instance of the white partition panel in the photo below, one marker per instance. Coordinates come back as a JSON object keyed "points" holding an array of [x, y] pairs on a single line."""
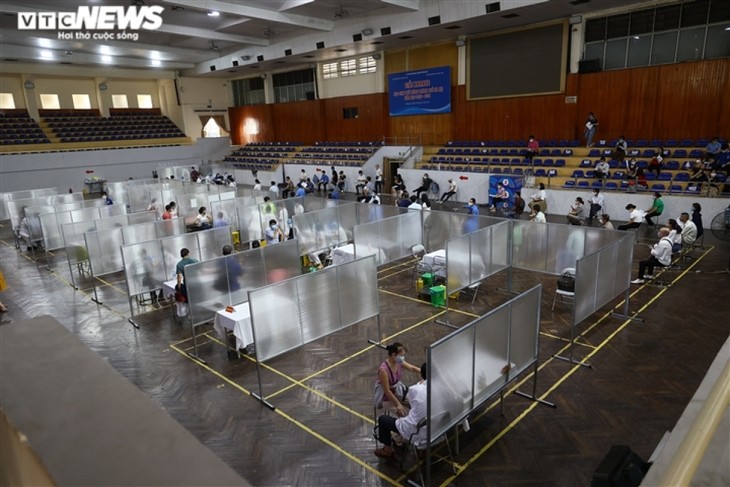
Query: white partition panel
{"points": [[144, 267], [140, 232], [358, 291], [451, 372], [111, 222], [85, 214], [606, 274], [586, 283], [171, 247], [623, 264], [458, 264], [112, 210], [565, 245], [166, 228], [103, 250], [529, 245], [142, 217], [249, 223], [20, 195], [211, 242], [275, 319], [203, 281], [318, 314], [492, 353], [73, 240], [281, 261], [524, 331], [50, 225]]}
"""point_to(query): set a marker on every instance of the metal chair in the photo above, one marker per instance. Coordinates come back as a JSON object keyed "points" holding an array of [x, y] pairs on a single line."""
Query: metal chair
{"points": [[419, 447], [564, 295]]}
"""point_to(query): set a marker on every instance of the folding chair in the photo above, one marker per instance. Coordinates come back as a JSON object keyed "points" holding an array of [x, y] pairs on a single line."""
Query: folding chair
{"points": [[418, 449], [564, 295]]}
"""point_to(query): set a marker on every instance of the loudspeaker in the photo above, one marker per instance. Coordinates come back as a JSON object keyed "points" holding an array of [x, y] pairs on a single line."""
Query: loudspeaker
{"points": [[589, 66], [621, 467]]}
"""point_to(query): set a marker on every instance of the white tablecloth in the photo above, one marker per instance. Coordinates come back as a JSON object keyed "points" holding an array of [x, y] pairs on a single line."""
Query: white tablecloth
{"points": [[168, 288], [239, 321], [437, 261], [343, 254]]}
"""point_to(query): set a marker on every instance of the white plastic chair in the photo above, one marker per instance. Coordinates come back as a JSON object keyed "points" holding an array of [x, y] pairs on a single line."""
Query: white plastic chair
{"points": [[564, 295]]}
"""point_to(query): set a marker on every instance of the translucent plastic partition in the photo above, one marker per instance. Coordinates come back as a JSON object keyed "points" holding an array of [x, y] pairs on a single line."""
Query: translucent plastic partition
{"points": [[117, 191], [347, 218], [84, 214], [389, 239], [103, 249], [75, 205], [366, 240], [458, 263], [112, 210], [225, 209], [141, 217], [15, 208], [275, 319], [73, 240], [597, 238], [251, 264], [207, 287], [501, 246], [144, 267], [111, 222], [211, 242], [440, 226], [33, 220], [22, 195], [529, 245], [565, 245], [52, 238], [281, 261], [189, 203], [524, 331], [451, 370], [249, 223], [296, 311], [492, 353], [602, 276], [171, 247], [471, 364], [140, 194], [166, 228], [318, 230]]}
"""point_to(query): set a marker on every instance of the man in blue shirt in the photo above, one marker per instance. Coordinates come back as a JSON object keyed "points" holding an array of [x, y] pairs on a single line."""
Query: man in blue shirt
{"points": [[472, 207], [300, 191]]}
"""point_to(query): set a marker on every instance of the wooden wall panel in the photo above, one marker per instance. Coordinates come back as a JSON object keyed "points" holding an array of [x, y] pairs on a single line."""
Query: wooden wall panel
{"points": [[685, 100], [370, 124], [300, 121]]}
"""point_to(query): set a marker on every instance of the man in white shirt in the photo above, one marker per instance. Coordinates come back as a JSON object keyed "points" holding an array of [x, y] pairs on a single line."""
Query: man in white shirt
{"points": [[606, 222], [539, 198], [257, 185], [449, 192], [378, 179], [537, 215], [274, 188], [661, 256], [635, 217], [415, 205], [407, 425], [689, 229]]}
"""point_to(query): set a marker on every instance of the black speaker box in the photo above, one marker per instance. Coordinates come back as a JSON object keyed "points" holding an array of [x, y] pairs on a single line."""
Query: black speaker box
{"points": [[589, 66], [621, 467]]}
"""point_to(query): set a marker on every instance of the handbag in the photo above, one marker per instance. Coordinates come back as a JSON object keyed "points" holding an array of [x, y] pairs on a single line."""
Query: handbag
{"points": [[566, 282]]}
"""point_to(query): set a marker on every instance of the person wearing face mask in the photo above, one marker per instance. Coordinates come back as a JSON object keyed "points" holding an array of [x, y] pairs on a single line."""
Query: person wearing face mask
{"points": [[388, 386], [273, 234], [661, 256], [657, 208]]}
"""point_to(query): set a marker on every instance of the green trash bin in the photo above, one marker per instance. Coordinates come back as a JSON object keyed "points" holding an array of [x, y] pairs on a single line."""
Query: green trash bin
{"points": [[427, 279], [438, 295]]}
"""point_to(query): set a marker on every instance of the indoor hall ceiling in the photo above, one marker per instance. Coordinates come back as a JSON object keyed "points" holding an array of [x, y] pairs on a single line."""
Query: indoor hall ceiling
{"points": [[284, 33]]}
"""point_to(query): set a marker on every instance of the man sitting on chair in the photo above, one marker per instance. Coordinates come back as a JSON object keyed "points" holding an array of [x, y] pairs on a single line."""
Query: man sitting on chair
{"points": [[661, 256], [407, 425]]}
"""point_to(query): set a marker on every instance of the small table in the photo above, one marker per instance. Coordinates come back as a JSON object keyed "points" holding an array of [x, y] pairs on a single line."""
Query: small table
{"points": [[343, 254], [436, 260], [239, 321]]}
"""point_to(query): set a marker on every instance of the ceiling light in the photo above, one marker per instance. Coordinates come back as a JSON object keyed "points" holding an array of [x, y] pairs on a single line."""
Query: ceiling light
{"points": [[156, 62], [43, 42], [45, 54], [106, 59], [367, 31], [213, 13]]}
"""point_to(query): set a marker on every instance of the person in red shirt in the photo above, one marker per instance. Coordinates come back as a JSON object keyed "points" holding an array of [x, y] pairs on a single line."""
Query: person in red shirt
{"points": [[533, 147], [167, 215]]}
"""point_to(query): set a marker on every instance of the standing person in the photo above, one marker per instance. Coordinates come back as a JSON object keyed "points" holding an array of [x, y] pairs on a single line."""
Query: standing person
{"points": [[539, 197], [343, 181], [533, 147], [185, 260], [472, 207], [274, 188], [661, 256], [360, 182], [619, 150], [106, 198], [449, 192], [256, 185], [596, 202], [697, 219], [657, 208], [378, 179], [335, 178], [590, 131], [273, 234], [606, 222], [388, 386], [635, 217]]}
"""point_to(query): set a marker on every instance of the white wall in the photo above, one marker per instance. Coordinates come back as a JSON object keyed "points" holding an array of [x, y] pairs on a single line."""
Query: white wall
{"points": [[69, 169], [202, 94], [13, 84], [350, 86]]}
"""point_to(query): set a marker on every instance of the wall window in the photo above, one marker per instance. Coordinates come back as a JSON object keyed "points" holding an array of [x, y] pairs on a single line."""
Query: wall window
{"points": [[248, 92], [7, 101], [349, 67], [144, 101], [329, 70], [49, 101], [81, 102], [293, 86], [120, 101], [681, 32]]}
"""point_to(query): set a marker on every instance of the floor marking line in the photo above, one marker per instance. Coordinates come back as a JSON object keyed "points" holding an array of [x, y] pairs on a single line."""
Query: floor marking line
{"points": [[403, 296]]}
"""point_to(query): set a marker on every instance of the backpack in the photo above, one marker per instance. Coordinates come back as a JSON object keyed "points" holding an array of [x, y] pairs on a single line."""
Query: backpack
{"points": [[566, 282]]}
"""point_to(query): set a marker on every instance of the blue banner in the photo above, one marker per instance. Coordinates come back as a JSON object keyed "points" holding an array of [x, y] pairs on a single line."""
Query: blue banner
{"points": [[423, 92], [511, 186]]}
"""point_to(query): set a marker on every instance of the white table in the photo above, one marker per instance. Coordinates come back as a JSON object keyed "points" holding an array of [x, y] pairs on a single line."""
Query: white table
{"points": [[168, 288], [239, 321], [343, 254]]}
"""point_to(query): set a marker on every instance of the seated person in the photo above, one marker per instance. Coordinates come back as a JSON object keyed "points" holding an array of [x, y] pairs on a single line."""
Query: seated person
{"points": [[533, 148], [301, 191], [537, 215], [603, 170], [689, 229], [425, 185], [675, 235], [539, 197], [324, 180], [641, 178], [576, 214], [657, 208], [596, 203], [656, 162], [407, 425], [308, 186], [635, 217], [722, 162], [606, 222], [449, 192], [203, 219], [619, 151], [334, 194], [220, 221], [697, 173], [501, 197], [360, 182], [404, 201], [398, 186], [273, 233], [289, 189], [661, 256], [388, 386]]}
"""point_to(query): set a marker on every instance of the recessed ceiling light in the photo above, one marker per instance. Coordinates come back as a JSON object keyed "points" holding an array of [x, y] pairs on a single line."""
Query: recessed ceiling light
{"points": [[156, 62], [727, 28], [45, 54], [213, 13], [106, 59]]}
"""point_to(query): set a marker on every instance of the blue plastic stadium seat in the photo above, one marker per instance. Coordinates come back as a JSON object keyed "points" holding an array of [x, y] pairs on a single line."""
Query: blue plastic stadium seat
{"points": [[540, 173], [584, 184], [658, 187], [675, 188], [585, 163], [611, 186], [569, 184], [671, 165], [578, 174], [594, 153], [560, 163], [665, 176], [597, 184]]}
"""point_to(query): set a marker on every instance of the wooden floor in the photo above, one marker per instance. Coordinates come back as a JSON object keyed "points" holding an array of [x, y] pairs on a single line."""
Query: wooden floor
{"points": [[642, 376]]}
